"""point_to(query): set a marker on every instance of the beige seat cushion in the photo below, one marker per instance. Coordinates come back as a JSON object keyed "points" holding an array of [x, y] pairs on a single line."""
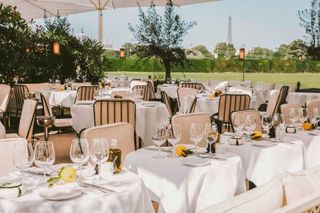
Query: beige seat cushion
{"points": [[62, 122], [300, 184], [12, 135], [263, 199]]}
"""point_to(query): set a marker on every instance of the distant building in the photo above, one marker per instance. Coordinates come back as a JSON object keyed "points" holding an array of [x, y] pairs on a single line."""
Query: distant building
{"points": [[229, 37], [82, 36]]}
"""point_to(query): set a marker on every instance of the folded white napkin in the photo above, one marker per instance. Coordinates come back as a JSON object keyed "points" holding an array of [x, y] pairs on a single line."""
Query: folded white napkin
{"points": [[60, 192]]}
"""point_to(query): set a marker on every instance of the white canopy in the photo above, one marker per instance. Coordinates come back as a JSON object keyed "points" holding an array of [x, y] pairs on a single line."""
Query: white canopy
{"points": [[38, 8]]}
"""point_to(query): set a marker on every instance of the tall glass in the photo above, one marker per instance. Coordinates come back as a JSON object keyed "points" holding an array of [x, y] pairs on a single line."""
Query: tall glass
{"points": [[211, 134], [159, 138], [266, 123], [79, 153], [238, 124], [44, 155], [251, 125], [174, 136], [99, 151], [196, 133], [294, 116], [23, 156]]}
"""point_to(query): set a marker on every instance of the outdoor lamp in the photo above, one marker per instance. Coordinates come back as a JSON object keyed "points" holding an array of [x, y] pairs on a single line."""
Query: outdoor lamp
{"points": [[122, 53], [242, 53], [56, 48]]}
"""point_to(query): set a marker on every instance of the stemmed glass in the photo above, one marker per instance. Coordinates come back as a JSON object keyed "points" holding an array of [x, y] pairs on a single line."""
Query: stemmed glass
{"points": [[196, 134], [251, 125], [293, 116], [302, 116], [238, 124], [44, 155], [22, 156], [174, 136], [211, 135], [159, 138], [79, 153], [266, 123], [99, 151], [316, 117]]}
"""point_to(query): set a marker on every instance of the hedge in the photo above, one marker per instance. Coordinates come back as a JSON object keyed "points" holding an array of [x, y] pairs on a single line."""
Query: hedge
{"points": [[194, 65]]}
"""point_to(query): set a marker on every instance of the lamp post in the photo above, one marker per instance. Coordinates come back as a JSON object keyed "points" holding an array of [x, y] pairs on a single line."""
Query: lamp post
{"points": [[242, 57], [122, 54], [56, 48]]}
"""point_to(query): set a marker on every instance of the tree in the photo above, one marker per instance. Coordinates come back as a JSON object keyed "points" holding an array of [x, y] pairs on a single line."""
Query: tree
{"points": [[224, 50], [203, 49], [161, 37], [260, 53], [14, 34], [297, 49], [310, 21]]}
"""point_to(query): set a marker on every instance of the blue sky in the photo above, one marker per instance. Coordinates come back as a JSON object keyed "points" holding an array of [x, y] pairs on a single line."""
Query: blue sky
{"points": [[265, 23]]}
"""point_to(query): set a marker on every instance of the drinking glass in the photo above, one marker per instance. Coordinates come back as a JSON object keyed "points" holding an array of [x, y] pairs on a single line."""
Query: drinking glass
{"points": [[159, 138], [302, 116], [99, 151], [293, 116], [79, 153], [44, 155], [196, 133], [174, 136], [266, 123], [250, 125], [238, 124], [211, 135], [22, 156]]}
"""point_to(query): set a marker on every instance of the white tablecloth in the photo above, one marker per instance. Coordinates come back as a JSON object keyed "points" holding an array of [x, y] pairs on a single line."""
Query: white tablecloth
{"points": [[311, 147], [301, 97], [63, 98], [170, 89], [147, 119], [134, 199], [261, 164], [180, 188]]}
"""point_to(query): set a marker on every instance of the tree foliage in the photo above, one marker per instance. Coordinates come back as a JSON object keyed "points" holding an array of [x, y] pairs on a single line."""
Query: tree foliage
{"points": [[260, 53], [161, 37], [203, 49], [310, 21], [224, 50], [297, 49]]}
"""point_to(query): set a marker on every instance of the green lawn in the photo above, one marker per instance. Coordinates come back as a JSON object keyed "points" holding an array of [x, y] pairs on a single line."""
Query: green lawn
{"points": [[308, 80]]}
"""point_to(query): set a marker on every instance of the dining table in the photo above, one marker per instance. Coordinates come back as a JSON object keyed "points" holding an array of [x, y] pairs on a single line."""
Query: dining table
{"points": [[181, 187], [263, 160], [170, 89], [124, 192], [149, 115]]}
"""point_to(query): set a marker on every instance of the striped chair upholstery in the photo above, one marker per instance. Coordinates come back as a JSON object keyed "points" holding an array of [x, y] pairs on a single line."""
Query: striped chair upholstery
{"points": [[21, 93], [86, 93], [145, 91], [227, 104], [234, 114], [115, 111], [166, 100], [193, 85]]}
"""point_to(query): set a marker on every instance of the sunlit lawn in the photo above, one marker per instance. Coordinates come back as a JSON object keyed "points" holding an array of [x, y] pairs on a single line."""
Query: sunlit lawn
{"points": [[308, 80]]}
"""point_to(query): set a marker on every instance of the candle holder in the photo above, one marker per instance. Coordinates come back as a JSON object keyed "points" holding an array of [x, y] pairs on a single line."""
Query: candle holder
{"points": [[45, 122]]}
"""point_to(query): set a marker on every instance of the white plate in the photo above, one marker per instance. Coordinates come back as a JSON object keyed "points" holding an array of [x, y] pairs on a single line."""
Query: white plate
{"points": [[195, 161], [314, 133], [263, 143], [58, 193]]}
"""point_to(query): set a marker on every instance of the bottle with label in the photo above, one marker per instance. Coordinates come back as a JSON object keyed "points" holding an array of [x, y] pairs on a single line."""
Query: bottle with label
{"points": [[115, 155]]}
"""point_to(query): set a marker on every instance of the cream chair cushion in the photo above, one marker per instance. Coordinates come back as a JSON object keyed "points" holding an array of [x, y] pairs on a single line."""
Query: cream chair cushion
{"points": [[4, 97], [122, 132], [6, 153], [263, 199], [2, 131], [274, 94], [311, 105], [185, 121], [300, 184]]}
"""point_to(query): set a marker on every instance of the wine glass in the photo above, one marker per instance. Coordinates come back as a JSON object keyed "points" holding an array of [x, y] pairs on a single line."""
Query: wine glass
{"points": [[316, 117], [159, 138], [266, 123], [174, 136], [302, 116], [238, 124], [99, 151], [211, 135], [79, 153], [22, 156], [293, 116], [196, 133], [251, 125], [44, 155]]}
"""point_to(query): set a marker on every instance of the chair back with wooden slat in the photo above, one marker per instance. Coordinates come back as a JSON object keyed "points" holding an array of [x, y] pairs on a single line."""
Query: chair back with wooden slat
{"points": [[21, 92], [45, 103], [27, 119], [145, 91], [229, 103], [194, 85], [281, 99], [244, 113], [122, 132], [166, 100], [115, 111], [86, 93], [151, 90], [182, 92]]}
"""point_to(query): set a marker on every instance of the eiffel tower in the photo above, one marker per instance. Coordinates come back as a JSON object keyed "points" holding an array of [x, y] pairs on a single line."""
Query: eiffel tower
{"points": [[229, 37]]}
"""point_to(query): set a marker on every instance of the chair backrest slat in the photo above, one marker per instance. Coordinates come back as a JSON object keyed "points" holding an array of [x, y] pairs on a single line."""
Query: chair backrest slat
{"points": [[194, 85], [27, 119], [86, 93], [166, 100], [21, 92]]}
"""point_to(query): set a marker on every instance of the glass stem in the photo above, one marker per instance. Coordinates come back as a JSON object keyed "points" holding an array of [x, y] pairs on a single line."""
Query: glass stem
{"points": [[210, 148]]}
